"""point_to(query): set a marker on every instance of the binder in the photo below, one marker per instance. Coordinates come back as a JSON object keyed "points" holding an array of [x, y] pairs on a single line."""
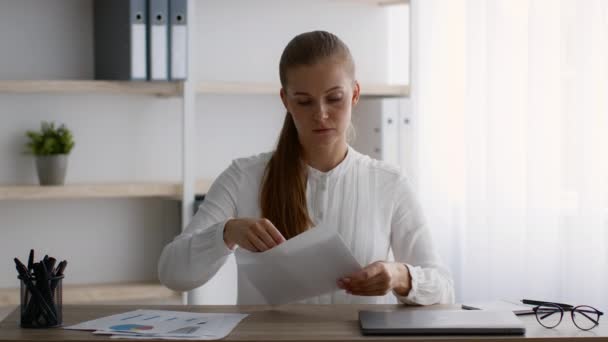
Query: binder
{"points": [[158, 34], [390, 131], [178, 38], [376, 123], [120, 39]]}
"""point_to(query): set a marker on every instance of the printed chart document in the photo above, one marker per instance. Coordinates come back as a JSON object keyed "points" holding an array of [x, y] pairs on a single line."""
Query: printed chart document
{"points": [[162, 324], [305, 266]]}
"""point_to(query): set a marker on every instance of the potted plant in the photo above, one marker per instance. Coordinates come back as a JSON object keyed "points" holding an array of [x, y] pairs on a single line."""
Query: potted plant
{"points": [[51, 147]]}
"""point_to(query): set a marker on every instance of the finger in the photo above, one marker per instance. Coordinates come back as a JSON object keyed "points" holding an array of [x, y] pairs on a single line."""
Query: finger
{"points": [[256, 242], [368, 287], [379, 291], [248, 246], [357, 277], [263, 235], [377, 281], [370, 275], [273, 231], [378, 286]]}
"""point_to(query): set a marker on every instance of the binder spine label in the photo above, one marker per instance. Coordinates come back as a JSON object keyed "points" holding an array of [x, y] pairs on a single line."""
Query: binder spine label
{"points": [[179, 51], [138, 52], [159, 52]]}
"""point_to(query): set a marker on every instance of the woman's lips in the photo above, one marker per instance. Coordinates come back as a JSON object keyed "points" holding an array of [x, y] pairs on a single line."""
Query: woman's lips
{"points": [[322, 130]]}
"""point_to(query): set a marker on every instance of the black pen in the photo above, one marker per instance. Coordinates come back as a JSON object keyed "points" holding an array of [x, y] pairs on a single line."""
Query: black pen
{"points": [[44, 284], [60, 268], [58, 272], [24, 273], [51, 266], [540, 302], [30, 261]]}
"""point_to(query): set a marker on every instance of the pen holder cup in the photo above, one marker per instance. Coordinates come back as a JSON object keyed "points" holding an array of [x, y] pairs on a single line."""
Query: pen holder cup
{"points": [[41, 302]]}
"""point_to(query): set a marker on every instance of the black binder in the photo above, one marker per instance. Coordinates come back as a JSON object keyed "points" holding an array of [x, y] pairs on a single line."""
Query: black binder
{"points": [[120, 30]]}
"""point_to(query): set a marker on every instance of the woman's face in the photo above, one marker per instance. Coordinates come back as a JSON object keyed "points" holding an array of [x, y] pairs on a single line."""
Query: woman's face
{"points": [[320, 98]]}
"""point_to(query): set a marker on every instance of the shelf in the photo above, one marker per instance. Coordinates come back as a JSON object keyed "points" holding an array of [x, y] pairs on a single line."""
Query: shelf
{"points": [[164, 89], [103, 293], [382, 2], [232, 88], [385, 90], [124, 190], [378, 2], [168, 89]]}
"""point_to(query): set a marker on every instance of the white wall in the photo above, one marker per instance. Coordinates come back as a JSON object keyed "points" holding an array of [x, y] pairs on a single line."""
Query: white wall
{"points": [[137, 138], [46, 39], [247, 37]]}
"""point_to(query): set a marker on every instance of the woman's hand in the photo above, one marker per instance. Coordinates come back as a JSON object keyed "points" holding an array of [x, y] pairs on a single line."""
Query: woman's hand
{"points": [[255, 235], [378, 279]]}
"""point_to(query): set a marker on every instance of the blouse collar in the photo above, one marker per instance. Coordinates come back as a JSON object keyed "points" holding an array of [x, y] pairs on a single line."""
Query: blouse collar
{"points": [[336, 171]]}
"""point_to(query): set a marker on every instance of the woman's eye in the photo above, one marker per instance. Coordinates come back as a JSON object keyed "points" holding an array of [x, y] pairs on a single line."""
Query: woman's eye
{"points": [[335, 99], [304, 103]]}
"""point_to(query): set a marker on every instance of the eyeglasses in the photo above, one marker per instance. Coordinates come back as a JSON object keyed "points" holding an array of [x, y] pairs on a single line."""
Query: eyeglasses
{"points": [[550, 315]]}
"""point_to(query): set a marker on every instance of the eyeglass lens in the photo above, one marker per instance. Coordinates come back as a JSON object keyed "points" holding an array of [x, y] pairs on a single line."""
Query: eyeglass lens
{"points": [[585, 317], [549, 315]]}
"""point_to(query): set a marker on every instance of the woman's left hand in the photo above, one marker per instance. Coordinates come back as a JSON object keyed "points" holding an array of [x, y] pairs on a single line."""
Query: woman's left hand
{"points": [[378, 279]]}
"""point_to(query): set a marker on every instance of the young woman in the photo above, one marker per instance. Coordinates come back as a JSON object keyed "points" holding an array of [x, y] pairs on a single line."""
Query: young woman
{"points": [[314, 177]]}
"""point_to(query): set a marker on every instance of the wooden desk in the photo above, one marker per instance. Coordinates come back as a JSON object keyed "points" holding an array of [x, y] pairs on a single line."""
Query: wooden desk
{"points": [[286, 323]]}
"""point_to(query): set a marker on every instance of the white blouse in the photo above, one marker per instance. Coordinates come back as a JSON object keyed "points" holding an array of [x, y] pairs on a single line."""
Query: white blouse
{"points": [[368, 202]]}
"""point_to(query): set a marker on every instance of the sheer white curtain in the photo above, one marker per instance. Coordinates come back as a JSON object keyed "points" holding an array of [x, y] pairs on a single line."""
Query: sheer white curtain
{"points": [[510, 100]]}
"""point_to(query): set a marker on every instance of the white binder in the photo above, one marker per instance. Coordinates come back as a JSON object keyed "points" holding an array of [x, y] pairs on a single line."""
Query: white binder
{"points": [[158, 42], [376, 123], [178, 11], [138, 44]]}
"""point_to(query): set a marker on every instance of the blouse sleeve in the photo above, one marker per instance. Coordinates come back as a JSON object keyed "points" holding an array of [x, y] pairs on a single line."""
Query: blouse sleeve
{"points": [[195, 255], [412, 245]]}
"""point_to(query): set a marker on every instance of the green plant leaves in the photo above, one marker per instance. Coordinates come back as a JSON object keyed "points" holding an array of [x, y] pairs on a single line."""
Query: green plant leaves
{"points": [[50, 140]]}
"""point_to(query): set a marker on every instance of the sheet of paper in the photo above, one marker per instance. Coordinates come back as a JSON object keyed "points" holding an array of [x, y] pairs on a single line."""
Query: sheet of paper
{"points": [[305, 266], [499, 305], [161, 324]]}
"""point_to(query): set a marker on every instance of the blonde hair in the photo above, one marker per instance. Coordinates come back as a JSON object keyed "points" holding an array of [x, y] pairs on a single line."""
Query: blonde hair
{"points": [[283, 190]]}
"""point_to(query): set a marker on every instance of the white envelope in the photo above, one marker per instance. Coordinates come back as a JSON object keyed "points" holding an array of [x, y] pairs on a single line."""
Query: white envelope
{"points": [[305, 266]]}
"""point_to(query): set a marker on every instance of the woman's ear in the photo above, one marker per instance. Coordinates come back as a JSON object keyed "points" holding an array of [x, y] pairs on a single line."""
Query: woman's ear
{"points": [[284, 98], [356, 93]]}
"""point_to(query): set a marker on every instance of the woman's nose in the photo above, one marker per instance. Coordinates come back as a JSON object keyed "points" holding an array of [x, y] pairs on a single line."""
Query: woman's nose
{"points": [[320, 113]]}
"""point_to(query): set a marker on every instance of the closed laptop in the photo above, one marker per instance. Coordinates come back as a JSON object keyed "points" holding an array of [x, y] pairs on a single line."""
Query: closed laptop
{"points": [[440, 322]]}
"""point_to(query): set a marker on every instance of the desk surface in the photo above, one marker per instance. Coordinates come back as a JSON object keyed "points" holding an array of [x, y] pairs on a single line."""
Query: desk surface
{"points": [[286, 323]]}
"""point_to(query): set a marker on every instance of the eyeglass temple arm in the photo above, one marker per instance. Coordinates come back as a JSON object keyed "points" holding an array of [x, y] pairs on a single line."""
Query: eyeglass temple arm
{"points": [[591, 319], [549, 313], [584, 313]]}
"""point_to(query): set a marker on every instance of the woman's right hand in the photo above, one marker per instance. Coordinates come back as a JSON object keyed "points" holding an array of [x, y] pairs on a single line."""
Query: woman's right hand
{"points": [[253, 234]]}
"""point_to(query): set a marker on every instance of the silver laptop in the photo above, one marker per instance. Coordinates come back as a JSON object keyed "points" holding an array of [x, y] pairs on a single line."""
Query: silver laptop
{"points": [[440, 322]]}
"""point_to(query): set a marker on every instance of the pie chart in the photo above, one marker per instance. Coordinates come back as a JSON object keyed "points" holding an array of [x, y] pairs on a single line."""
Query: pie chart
{"points": [[131, 327]]}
